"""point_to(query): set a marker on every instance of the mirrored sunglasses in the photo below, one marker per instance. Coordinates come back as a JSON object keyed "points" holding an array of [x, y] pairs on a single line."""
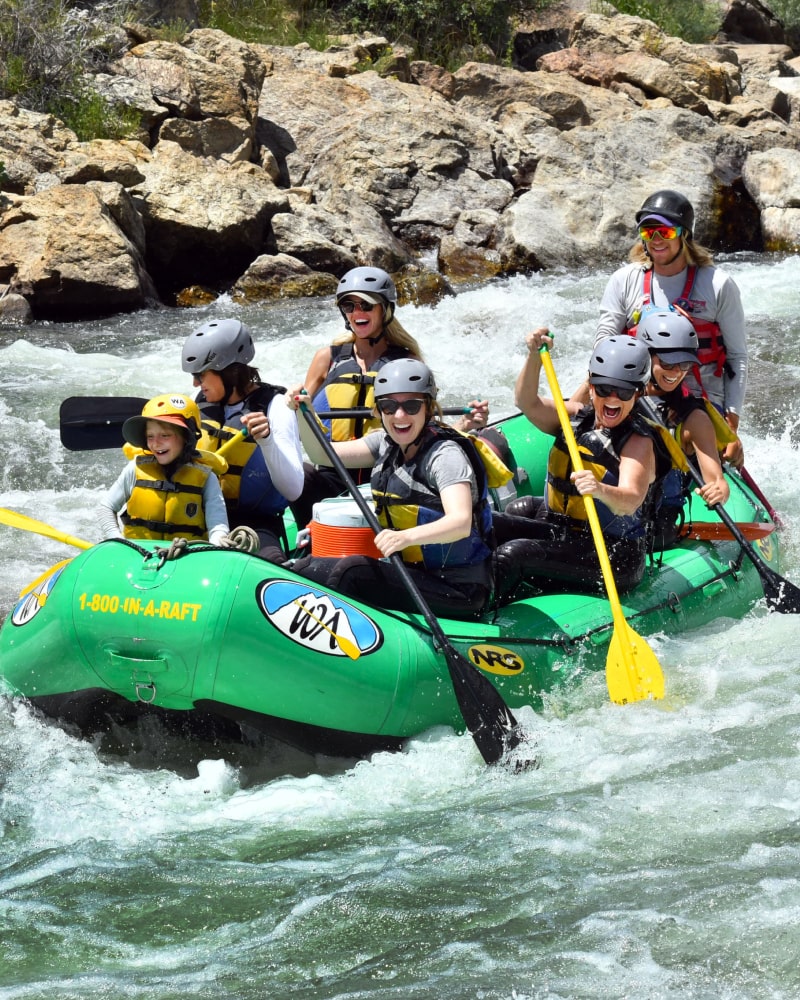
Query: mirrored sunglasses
{"points": [[683, 366], [350, 306], [391, 406], [622, 393], [665, 232]]}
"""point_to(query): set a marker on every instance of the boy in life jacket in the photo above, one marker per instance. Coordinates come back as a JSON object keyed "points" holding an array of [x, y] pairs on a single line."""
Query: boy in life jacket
{"points": [[672, 342], [170, 490], [342, 374], [430, 488], [669, 270], [547, 540]]}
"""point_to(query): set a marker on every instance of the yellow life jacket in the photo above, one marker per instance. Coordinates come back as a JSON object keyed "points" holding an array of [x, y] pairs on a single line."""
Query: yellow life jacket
{"points": [[162, 508], [347, 387], [215, 463], [247, 485], [600, 451]]}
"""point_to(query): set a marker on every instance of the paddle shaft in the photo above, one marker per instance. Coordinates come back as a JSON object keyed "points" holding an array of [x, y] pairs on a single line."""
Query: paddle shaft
{"points": [[632, 669], [90, 423], [25, 523], [591, 510], [745, 475]]}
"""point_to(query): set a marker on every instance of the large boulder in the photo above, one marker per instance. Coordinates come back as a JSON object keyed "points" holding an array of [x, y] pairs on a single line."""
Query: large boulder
{"points": [[64, 250], [205, 220]]}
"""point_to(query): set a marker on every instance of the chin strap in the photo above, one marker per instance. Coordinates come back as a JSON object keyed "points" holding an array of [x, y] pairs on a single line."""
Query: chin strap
{"points": [[374, 340]]}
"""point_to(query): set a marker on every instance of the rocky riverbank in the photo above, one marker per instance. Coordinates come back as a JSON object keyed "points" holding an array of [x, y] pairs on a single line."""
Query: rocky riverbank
{"points": [[270, 171]]}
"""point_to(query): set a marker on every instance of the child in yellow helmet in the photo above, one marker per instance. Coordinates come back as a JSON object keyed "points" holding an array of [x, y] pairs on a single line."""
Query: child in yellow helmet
{"points": [[169, 490]]}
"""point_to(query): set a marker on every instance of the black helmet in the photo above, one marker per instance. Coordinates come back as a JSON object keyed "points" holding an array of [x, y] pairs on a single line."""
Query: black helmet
{"points": [[620, 361], [667, 332], [217, 344], [670, 206]]}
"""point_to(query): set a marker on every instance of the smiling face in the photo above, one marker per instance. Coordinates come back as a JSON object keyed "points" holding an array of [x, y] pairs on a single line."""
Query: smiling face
{"points": [[365, 319], [165, 441], [610, 411], [666, 255], [211, 385], [667, 377], [404, 428]]}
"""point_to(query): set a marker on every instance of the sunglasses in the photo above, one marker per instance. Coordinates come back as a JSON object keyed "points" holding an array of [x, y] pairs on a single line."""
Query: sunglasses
{"points": [[350, 306], [665, 232], [410, 406], [623, 394], [683, 366]]}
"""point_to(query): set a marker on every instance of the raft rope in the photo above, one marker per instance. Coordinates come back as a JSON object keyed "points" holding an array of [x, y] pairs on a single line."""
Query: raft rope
{"points": [[567, 643]]}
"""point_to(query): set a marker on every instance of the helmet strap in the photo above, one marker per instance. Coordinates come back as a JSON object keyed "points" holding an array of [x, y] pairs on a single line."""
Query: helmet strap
{"points": [[372, 341]]}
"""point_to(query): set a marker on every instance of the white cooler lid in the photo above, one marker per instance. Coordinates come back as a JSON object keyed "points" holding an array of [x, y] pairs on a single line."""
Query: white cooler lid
{"points": [[342, 512]]}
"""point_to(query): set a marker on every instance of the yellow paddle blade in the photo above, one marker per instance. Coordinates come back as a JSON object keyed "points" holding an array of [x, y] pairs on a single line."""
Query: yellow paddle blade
{"points": [[633, 672], [15, 520]]}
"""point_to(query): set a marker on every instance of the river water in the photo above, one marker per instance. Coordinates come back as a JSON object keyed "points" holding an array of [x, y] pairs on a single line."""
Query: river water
{"points": [[654, 854]]}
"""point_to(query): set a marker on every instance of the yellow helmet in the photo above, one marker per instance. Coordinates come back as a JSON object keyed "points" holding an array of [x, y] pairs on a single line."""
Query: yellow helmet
{"points": [[171, 408]]}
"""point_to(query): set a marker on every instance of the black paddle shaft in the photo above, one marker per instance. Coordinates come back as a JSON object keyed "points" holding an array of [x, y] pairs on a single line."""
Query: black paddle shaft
{"points": [[490, 721], [89, 423], [779, 593]]}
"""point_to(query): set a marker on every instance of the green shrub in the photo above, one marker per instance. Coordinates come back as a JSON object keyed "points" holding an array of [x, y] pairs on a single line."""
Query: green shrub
{"points": [[91, 116], [271, 22], [693, 20], [788, 11], [46, 49], [441, 31]]}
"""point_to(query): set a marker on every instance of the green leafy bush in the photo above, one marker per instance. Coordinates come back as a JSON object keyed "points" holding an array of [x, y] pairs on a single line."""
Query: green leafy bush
{"points": [[272, 22], [441, 31], [46, 49], [788, 11], [693, 20]]}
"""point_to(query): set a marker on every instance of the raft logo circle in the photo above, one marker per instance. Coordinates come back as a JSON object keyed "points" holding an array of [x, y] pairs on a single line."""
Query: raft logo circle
{"points": [[496, 659], [30, 604], [317, 620]]}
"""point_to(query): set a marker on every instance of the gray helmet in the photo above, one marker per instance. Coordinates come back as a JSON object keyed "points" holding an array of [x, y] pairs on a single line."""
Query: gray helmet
{"points": [[667, 332], [670, 206], [621, 361], [371, 281], [405, 375], [217, 344]]}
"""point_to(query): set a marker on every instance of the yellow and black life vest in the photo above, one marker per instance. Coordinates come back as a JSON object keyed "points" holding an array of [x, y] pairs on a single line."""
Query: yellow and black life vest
{"points": [[600, 449], [247, 485], [166, 508], [347, 387]]}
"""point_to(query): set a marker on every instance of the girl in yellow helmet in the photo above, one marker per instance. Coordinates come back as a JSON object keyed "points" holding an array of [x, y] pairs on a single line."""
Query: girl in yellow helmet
{"points": [[170, 490]]}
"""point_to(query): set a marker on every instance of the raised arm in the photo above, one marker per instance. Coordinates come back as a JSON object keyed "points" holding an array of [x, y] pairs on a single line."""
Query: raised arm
{"points": [[539, 410]]}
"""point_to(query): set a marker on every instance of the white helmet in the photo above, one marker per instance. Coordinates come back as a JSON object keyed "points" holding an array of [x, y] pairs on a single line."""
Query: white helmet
{"points": [[373, 282]]}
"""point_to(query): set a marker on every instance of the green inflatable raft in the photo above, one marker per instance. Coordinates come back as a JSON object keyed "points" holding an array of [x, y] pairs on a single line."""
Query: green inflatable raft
{"points": [[118, 631]]}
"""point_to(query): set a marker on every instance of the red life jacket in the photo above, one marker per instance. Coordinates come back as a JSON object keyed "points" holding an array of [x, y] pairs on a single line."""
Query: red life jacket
{"points": [[712, 347]]}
